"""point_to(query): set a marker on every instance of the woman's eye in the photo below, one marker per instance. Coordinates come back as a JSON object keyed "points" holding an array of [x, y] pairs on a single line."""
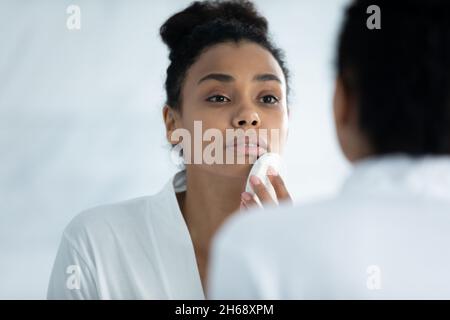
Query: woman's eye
{"points": [[269, 99], [218, 99]]}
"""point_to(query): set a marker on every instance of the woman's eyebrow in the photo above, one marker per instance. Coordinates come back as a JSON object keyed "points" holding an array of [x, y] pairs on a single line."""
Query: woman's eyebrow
{"points": [[227, 78], [266, 77], [218, 77]]}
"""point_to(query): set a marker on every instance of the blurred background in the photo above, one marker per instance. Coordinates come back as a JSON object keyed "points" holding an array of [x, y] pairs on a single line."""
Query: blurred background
{"points": [[81, 122]]}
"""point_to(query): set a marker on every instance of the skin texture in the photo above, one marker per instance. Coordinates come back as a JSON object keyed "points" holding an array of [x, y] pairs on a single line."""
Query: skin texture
{"points": [[354, 143], [240, 99]]}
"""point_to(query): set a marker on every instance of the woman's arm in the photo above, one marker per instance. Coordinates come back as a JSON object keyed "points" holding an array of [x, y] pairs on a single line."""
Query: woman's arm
{"points": [[72, 277]]}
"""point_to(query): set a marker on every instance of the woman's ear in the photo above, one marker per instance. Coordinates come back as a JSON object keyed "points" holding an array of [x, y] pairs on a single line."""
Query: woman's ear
{"points": [[344, 112], [172, 122], [341, 118], [353, 142]]}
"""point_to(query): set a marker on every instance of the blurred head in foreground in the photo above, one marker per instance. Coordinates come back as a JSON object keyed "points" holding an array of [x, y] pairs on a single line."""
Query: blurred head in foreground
{"points": [[393, 82]]}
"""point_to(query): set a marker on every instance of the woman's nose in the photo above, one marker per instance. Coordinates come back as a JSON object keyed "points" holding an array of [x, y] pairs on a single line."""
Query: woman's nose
{"points": [[246, 118]]}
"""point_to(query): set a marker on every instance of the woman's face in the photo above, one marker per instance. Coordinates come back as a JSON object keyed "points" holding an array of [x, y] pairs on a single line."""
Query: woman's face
{"points": [[236, 86]]}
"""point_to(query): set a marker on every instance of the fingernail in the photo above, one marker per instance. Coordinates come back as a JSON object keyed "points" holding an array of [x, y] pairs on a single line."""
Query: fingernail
{"points": [[271, 171], [245, 196], [254, 180]]}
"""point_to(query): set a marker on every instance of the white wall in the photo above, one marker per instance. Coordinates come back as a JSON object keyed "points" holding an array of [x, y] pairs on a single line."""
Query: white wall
{"points": [[80, 116]]}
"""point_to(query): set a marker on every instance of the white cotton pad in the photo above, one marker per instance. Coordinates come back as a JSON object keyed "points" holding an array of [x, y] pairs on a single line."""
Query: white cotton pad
{"points": [[259, 169]]}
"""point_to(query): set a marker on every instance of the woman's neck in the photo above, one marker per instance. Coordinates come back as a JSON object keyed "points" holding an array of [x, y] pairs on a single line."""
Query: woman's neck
{"points": [[209, 199]]}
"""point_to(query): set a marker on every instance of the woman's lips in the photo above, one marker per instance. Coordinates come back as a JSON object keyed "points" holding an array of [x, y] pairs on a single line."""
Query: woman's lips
{"points": [[248, 148], [253, 150]]}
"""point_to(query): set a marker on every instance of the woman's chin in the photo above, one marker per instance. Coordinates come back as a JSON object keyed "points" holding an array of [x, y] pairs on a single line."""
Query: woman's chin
{"points": [[237, 170]]}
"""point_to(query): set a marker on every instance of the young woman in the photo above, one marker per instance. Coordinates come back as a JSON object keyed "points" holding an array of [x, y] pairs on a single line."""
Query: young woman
{"points": [[224, 72], [387, 234]]}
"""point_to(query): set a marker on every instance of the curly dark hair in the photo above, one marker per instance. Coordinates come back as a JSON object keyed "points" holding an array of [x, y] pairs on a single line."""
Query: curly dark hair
{"points": [[204, 24], [399, 75]]}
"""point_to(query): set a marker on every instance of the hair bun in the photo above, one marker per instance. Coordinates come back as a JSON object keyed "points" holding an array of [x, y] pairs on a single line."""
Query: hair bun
{"points": [[183, 23]]}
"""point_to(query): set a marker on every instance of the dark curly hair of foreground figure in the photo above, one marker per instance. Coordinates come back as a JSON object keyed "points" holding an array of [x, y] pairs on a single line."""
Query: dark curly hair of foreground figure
{"points": [[399, 75], [204, 24]]}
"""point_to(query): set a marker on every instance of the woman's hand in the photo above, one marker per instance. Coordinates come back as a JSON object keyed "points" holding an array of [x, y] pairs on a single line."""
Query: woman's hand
{"points": [[248, 200]]}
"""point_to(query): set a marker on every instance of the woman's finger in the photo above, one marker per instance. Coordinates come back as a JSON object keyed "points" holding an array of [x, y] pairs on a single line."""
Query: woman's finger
{"points": [[242, 206], [248, 200], [278, 185], [261, 191]]}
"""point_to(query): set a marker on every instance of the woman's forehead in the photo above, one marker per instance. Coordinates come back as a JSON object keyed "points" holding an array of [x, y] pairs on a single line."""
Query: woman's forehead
{"points": [[241, 59]]}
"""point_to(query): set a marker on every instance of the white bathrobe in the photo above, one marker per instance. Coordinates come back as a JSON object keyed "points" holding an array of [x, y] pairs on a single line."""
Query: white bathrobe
{"points": [[135, 249], [385, 236]]}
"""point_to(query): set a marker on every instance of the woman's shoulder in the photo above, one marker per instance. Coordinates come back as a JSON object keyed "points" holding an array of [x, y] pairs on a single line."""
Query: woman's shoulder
{"points": [[107, 241], [110, 211], [116, 221], [93, 221]]}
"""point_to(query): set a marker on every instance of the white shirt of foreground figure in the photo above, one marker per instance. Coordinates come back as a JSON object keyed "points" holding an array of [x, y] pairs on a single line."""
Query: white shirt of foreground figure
{"points": [[385, 236]]}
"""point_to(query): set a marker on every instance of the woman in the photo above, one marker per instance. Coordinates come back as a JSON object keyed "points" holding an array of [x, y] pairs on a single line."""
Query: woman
{"points": [[386, 234], [225, 72]]}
